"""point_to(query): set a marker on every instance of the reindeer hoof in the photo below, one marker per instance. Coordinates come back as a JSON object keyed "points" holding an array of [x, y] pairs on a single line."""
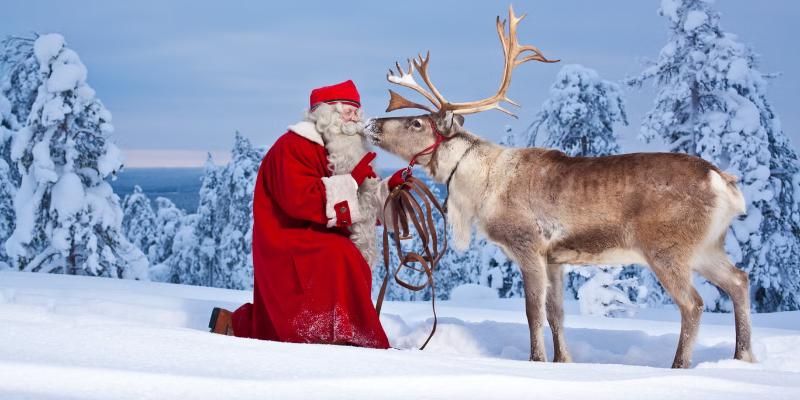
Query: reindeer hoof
{"points": [[745, 355], [562, 358], [538, 358], [681, 364]]}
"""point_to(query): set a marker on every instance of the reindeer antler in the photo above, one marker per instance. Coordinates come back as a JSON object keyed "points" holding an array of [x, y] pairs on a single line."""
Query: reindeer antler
{"points": [[512, 50]]}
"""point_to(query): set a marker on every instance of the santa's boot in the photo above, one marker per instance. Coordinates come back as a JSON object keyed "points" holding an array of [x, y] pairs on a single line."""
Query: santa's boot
{"points": [[220, 321]]}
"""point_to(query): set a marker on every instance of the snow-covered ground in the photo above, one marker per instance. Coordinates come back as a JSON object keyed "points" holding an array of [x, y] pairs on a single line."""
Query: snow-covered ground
{"points": [[76, 337]]}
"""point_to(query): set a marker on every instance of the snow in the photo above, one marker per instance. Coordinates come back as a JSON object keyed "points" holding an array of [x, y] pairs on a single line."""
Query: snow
{"points": [[669, 9], [110, 161], [67, 77], [738, 71], [103, 203], [93, 338], [67, 196], [46, 47], [43, 167], [746, 118], [471, 291], [404, 79], [694, 19], [601, 296], [25, 204]]}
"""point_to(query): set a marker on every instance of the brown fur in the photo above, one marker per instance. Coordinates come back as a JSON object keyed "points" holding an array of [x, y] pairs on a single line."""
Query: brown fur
{"points": [[543, 208]]}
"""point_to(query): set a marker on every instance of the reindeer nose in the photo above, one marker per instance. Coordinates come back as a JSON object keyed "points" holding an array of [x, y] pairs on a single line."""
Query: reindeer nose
{"points": [[372, 129], [370, 125]]}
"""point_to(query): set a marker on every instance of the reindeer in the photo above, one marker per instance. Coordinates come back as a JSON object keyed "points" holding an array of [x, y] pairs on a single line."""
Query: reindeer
{"points": [[543, 208]]}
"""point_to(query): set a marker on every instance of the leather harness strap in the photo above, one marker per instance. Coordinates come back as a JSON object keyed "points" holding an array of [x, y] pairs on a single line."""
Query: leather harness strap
{"points": [[453, 171]]}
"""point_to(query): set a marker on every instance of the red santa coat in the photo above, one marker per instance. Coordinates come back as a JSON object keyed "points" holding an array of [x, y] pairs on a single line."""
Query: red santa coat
{"points": [[312, 285]]}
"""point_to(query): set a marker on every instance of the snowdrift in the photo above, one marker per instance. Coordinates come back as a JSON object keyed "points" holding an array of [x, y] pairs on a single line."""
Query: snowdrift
{"points": [[96, 338]]}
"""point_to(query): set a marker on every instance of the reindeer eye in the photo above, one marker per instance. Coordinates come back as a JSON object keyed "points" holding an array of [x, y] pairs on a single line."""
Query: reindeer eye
{"points": [[416, 124]]}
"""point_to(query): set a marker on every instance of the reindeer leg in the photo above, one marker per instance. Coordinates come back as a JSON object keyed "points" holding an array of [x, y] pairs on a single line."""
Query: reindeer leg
{"points": [[534, 275], [555, 312], [735, 283], [676, 278]]}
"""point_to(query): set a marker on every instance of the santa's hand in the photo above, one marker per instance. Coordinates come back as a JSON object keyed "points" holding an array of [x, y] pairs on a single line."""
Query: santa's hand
{"points": [[398, 178], [363, 170]]}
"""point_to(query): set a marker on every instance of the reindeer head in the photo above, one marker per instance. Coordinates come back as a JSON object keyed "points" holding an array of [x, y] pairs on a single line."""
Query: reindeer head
{"points": [[409, 136], [406, 137]]}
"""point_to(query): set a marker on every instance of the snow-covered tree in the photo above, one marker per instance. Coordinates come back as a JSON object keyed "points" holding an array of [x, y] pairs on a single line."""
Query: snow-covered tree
{"points": [[7, 186], [168, 220], [509, 138], [604, 293], [580, 115], [711, 102], [19, 82], [19, 86], [22, 76], [6, 211], [68, 218], [499, 272], [196, 245], [206, 229], [139, 223], [182, 266], [235, 206], [213, 247]]}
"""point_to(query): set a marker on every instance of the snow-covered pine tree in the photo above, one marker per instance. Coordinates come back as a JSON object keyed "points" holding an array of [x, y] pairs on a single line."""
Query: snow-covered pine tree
{"points": [[19, 85], [19, 82], [604, 293], [455, 268], [21, 79], [182, 266], [580, 114], [579, 119], [498, 271], [139, 223], [235, 204], [199, 255], [509, 138], [194, 239], [6, 211], [711, 102], [7, 186], [196, 245], [67, 216], [168, 221]]}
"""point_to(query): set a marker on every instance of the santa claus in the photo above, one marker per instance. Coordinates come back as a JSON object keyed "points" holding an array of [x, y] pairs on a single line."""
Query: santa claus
{"points": [[315, 206]]}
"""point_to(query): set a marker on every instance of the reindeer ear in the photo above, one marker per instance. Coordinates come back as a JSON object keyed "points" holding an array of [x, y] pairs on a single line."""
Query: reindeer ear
{"points": [[450, 123]]}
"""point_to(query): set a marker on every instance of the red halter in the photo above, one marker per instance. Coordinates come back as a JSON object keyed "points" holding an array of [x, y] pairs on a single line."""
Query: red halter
{"points": [[428, 150]]}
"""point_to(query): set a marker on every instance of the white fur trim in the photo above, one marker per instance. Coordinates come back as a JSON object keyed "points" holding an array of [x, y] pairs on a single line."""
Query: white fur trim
{"points": [[340, 188], [307, 130]]}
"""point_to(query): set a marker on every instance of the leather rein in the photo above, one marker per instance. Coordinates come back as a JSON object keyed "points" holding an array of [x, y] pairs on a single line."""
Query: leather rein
{"points": [[404, 206]]}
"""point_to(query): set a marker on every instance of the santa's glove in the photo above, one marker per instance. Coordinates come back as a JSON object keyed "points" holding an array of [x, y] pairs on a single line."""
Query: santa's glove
{"points": [[363, 170], [398, 178]]}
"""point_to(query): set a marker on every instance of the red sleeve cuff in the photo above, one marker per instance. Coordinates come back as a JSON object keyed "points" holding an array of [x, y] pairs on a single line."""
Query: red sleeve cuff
{"points": [[342, 210]]}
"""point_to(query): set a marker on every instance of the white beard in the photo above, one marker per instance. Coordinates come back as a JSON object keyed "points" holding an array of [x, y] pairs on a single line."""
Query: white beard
{"points": [[346, 147]]}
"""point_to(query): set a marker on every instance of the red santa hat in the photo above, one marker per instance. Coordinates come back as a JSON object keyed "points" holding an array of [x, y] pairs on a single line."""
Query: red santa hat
{"points": [[344, 92]]}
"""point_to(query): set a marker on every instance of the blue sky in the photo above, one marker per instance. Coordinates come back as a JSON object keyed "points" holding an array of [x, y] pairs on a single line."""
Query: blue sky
{"points": [[180, 77]]}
